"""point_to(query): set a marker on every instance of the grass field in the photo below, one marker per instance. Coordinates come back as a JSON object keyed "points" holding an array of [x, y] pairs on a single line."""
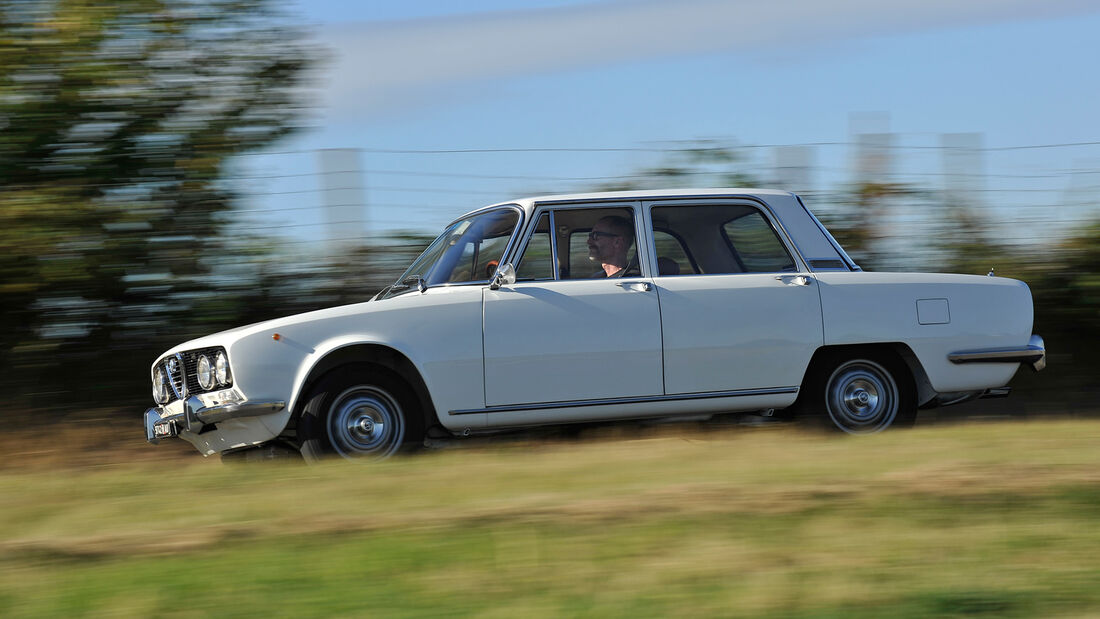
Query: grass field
{"points": [[987, 519]]}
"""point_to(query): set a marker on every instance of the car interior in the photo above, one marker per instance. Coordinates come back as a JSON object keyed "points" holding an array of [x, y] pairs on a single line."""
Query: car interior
{"points": [[689, 240]]}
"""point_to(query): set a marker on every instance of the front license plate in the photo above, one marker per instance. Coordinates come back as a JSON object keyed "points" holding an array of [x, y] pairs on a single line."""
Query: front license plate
{"points": [[165, 430]]}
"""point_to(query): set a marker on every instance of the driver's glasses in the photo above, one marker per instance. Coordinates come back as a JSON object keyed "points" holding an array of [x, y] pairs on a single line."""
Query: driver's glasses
{"points": [[595, 235]]}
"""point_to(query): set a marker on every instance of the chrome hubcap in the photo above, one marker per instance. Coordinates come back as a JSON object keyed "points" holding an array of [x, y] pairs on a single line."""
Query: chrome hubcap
{"points": [[365, 427], [365, 421], [861, 397]]}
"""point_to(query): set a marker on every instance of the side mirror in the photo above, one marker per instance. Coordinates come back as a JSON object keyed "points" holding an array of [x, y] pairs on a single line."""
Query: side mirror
{"points": [[505, 276]]}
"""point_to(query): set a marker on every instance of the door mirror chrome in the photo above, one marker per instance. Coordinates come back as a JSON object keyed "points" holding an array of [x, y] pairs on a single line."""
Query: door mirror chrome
{"points": [[505, 276]]}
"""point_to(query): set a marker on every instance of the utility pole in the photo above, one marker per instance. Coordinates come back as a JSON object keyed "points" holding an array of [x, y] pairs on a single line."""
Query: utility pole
{"points": [[343, 199]]}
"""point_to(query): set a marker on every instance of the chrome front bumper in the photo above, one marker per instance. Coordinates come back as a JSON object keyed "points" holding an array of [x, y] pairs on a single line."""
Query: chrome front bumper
{"points": [[162, 422], [1034, 354]]}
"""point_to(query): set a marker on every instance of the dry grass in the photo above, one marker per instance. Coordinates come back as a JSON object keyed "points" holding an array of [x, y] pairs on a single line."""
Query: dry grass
{"points": [[993, 518], [671, 472], [82, 441]]}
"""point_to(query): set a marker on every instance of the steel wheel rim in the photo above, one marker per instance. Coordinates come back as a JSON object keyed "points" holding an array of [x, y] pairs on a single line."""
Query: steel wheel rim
{"points": [[861, 397], [365, 421]]}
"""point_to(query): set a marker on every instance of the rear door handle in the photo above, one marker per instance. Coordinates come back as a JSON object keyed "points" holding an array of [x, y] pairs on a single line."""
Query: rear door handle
{"points": [[795, 280], [636, 286]]}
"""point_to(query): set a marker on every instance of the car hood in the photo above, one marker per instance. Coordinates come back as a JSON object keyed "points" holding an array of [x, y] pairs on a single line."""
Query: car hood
{"points": [[229, 336]]}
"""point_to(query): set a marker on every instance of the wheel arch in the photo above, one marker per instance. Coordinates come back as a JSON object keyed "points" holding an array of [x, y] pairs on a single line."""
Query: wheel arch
{"points": [[900, 350], [372, 354]]}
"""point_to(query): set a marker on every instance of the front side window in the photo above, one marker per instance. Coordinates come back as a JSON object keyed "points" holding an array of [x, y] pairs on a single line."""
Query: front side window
{"points": [[717, 239], [601, 242], [467, 251], [588, 243]]}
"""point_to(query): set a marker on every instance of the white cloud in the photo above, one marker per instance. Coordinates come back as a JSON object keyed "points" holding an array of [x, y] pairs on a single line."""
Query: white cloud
{"points": [[379, 66]]}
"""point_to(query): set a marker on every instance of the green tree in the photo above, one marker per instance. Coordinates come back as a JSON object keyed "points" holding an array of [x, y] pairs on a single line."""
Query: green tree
{"points": [[117, 122]]}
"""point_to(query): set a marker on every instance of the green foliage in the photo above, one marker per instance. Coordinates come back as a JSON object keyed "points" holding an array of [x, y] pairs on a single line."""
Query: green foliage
{"points": [[859, 219], [1074, 286], [117, 122]]}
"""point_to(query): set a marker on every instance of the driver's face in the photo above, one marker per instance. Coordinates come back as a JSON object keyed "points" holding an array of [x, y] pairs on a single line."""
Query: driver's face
{"points": [[602, 243]]}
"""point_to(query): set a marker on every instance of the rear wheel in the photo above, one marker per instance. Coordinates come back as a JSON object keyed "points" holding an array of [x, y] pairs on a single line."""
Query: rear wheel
{"points": [[864, 393], [360, 411]]}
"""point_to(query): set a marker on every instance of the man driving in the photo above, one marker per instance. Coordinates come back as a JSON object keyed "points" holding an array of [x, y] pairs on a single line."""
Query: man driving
{"points": [[608, 244]]}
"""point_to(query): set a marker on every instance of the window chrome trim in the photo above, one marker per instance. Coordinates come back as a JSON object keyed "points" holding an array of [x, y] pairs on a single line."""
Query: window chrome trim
{"points": [[634, 206], [777, 224], [525, 244], [553, 232], [517, 234], [707, 395]]}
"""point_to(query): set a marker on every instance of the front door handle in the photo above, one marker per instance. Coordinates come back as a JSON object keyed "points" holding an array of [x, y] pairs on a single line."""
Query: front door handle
{"points": [[636, 286]]}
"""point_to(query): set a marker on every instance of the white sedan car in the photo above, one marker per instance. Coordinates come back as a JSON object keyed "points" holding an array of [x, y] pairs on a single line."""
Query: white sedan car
{"points": [[593, 307]]}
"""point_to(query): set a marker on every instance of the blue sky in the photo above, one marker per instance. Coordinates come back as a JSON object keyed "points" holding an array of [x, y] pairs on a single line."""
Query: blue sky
{"points": [[650, 75]]}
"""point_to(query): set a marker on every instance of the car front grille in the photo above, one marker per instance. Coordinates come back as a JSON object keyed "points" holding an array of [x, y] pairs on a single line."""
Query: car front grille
{"points": [[186, 371]]}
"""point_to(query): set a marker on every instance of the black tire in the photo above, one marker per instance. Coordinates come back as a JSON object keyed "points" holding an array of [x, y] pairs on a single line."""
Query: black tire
{"points": [[862, 393], [360, 411]]}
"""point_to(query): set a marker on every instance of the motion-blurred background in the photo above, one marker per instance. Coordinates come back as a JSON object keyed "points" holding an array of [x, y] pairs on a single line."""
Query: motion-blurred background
{"points": [[169, 168]]}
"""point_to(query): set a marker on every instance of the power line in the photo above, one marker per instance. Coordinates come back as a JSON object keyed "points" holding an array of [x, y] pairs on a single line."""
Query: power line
{"points": [[650, 149]]}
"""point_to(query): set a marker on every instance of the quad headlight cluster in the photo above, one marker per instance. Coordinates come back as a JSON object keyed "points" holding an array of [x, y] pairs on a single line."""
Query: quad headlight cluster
{"points": [[211, 370], [211, 373]]}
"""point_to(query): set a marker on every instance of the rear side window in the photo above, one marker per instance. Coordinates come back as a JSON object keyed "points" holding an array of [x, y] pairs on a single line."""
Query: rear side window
{"points": [[756, 244], [713, 239], [672, 258]]}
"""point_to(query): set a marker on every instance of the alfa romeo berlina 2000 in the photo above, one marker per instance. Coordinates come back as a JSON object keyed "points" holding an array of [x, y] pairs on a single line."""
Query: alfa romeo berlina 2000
{"points": [[593, 307]]}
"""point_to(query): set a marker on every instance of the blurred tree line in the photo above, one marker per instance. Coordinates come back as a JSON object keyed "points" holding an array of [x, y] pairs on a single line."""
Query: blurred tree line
{"points": [[119, 120]]}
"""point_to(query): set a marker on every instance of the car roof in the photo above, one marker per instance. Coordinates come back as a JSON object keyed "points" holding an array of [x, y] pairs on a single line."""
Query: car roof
{"points": [[641, 194]]}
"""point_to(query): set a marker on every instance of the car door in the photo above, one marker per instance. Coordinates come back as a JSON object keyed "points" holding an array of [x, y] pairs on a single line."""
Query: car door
{"points": [[738, 310], [560, 335]]}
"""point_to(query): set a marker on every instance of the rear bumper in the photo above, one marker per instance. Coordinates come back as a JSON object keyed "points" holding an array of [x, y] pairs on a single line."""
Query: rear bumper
{"points": [[1034, 354], [168, 421]]}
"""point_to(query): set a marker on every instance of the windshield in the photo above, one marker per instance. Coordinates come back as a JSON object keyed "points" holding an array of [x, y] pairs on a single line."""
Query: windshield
{"points": [[469, 250]]}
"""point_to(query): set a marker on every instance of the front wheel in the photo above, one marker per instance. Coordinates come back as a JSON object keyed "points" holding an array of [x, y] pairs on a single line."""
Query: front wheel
{"points": [[359, 411], [865, 394]]}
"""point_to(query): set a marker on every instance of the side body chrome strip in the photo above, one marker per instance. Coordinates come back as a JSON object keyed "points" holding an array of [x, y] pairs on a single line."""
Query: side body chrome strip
{"points": [[657, 398]]}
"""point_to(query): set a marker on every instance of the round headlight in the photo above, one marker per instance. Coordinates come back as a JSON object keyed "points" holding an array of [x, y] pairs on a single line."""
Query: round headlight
{"points": [[204, 371], [221, 369], [160, 386]]}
